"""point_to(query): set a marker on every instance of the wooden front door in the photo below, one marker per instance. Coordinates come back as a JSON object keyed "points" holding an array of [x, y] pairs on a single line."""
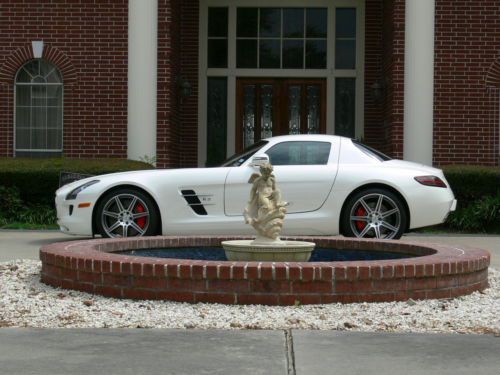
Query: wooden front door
{"points": [[267, 107]]}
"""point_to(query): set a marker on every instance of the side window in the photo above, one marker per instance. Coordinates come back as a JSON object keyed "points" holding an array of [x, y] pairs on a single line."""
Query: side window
{"points": [[299, 153]]}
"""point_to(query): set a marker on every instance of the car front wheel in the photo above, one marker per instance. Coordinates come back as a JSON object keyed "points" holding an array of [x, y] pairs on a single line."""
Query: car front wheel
{"points": [[374, 213], [126, 213]]}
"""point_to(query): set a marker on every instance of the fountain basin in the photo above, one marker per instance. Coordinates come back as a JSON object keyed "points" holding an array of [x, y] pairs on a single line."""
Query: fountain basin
{"points": [[435, 271], [284, 251]]}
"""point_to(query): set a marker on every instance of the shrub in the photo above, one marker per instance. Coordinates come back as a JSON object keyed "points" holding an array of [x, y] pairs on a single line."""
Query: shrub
{"points": [[10, 202], [12, 209], [482, 216], [477, 191], [471, 183], [37, 179]]}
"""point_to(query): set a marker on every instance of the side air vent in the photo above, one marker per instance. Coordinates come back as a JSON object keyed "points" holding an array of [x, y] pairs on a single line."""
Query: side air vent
{"points": [[194, 202]]}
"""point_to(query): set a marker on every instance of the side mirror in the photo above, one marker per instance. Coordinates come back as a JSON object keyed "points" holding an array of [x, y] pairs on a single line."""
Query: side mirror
{"points": [[259, 160]]}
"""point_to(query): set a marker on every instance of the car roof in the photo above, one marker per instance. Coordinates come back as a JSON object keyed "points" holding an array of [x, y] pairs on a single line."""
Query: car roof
{"points": [[305, 137]]}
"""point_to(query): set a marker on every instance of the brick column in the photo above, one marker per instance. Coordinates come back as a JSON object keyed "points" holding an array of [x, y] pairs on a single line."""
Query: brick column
{"points": [[142, 78], [419, 81]]}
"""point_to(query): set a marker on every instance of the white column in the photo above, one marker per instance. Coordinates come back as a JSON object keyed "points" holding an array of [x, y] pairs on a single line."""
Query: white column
{"points": [[419, 80], [142, 63]]}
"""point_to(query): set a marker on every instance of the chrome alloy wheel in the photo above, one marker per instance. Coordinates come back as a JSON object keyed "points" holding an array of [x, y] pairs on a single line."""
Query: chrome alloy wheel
{"points": [[125, 215], [375, 216]]}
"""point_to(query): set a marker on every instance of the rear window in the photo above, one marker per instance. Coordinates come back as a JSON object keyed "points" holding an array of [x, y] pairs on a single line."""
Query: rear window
{"points": [[371, 152]]}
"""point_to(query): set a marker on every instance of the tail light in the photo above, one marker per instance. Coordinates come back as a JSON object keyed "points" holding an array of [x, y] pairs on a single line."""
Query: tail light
{"points": [[431, 181]]}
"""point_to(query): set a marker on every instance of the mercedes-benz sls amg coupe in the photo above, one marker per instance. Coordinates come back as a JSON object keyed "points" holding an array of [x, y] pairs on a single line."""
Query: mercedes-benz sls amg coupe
{"points": [[334, 185]]}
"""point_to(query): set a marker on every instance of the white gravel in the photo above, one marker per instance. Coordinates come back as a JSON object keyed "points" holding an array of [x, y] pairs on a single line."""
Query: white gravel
{"points": [[25, 302]]}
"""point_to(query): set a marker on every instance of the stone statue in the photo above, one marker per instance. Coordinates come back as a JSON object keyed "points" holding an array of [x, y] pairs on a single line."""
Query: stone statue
{"points": [[265, 210]]}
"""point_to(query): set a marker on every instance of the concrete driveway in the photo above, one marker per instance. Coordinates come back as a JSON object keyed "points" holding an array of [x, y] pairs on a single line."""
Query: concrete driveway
{"points": [[15, 244], [139, 351]]}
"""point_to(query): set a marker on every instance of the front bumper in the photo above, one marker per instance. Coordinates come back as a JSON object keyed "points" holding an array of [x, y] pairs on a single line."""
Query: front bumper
{"points": [[72, 219]]}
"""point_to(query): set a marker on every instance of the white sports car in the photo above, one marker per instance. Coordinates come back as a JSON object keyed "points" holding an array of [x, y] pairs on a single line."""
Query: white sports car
{"points": [[333, 185]]}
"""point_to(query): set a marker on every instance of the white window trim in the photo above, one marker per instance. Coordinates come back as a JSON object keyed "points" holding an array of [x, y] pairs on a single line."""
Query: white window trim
{"points": [[231, 72], [14, 146]]}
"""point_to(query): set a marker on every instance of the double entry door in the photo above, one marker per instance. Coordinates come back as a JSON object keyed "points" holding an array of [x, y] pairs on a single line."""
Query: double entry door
{"points": [[267, 107]]}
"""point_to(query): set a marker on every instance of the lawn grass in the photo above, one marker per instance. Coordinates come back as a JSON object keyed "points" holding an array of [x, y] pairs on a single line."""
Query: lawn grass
{"points": [[27, 226]]}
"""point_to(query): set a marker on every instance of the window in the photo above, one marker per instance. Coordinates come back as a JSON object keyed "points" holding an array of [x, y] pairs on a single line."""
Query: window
{"points": [[217, 37], [290, 67], [299, 153], [216, 120], [288, 38], [345, 38], [38, 109], [241, 157], [345, 104]]}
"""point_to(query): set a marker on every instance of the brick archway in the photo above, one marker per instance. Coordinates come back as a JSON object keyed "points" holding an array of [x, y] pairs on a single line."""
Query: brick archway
{"points": [[7, 76], [492, 78], [492, 81], [22, 55]]}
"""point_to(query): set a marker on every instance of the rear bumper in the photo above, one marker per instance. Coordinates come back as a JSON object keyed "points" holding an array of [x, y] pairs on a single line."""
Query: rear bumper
{"points": [[431, 207]]}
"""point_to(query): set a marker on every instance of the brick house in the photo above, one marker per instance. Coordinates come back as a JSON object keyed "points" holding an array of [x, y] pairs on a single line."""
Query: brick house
{"points": [[193, 81]]}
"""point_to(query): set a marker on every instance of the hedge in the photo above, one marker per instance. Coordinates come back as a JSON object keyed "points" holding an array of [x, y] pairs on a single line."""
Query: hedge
{"points": [[32, 182], [38, 179], [471, 183]]}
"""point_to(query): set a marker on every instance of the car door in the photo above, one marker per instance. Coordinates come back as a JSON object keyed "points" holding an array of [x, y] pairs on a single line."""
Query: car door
{"points": [[305, 172]]}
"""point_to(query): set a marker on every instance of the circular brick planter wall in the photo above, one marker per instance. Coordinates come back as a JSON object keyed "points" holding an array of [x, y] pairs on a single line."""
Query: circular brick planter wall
{"points": [[91, 266]]}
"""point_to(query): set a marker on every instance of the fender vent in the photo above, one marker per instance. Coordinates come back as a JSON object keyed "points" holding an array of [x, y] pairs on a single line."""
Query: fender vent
{"points": [[194, 202]]}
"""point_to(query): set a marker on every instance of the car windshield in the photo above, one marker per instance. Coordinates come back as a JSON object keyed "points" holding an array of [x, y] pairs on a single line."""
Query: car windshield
{"points": [[237, 159], [370, 151]]}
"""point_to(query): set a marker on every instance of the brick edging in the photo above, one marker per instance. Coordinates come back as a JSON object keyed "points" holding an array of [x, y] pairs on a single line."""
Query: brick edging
{"points": [[91, 266]]}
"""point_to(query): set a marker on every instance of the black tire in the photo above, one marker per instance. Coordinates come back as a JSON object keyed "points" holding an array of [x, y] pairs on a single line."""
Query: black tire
{"points": [[374, 213], [126, 212]]}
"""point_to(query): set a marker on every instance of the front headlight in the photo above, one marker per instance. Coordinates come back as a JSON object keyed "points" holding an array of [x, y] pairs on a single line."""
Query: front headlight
{"points": [[73, 193]]}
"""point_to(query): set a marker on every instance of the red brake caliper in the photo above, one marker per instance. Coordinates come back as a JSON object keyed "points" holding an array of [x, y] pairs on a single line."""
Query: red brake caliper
{"points": [[141, 222], [360, 225]]}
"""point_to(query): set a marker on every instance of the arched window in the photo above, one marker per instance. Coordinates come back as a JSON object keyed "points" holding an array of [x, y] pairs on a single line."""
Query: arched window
{"points": [[38, 109]]}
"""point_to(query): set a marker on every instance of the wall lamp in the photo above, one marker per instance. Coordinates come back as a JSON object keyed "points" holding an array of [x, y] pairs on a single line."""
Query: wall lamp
{"points": [[378, 89], [184, 88]]}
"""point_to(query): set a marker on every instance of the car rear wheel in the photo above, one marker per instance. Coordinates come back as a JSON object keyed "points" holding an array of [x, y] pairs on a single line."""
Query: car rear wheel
{"points": [[374, 213], [126, 213]]}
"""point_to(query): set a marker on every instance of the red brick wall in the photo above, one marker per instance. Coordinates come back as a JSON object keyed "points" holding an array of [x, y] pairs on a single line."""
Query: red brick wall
{"points": [[392, 101], [177, 59], [189, 71], [466, 112], [373, 134], [91, 37], [168, 70], [87, 40]]}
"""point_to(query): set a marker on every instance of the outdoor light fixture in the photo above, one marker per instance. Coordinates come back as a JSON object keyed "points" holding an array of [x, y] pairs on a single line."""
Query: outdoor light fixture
{"points": [[184, 87], [378, 89]]}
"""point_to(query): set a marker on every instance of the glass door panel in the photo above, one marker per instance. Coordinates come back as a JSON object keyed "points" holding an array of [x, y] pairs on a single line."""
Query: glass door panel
{"points": [[266, 121], [269, 107], [248, 115], [313, 109], [294, 99]]}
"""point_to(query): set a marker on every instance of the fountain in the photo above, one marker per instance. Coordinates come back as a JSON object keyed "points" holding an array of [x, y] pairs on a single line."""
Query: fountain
{"points": [[265, 270], [265, 212]]}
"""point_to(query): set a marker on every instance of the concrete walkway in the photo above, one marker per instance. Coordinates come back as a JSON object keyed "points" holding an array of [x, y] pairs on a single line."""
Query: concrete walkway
{"points": [[138, 351]]}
